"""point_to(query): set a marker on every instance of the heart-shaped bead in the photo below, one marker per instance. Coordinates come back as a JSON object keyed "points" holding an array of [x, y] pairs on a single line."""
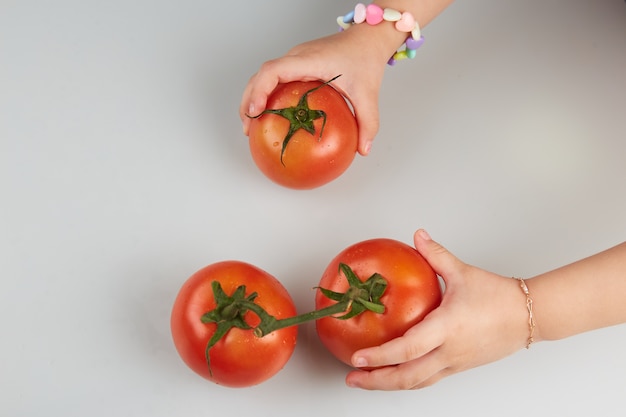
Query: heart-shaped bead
{"points": [[348, 17], [406, 23], [374, 14], [342, 24], [403, 22], [416, 33], [391, 15], [413, 44], [359, 13], [400, 55]]}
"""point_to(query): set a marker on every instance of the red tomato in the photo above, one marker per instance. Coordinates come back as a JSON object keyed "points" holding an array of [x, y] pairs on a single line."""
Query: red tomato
{"points": [[239, 359], [413, 290], [305, 160]]}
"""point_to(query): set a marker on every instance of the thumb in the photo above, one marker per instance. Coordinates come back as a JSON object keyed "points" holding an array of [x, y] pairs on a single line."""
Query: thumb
{"points": [[440, 259], [367, 117]]}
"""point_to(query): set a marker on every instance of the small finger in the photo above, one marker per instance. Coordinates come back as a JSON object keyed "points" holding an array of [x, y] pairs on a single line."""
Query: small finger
{"points": [[367, 116]]}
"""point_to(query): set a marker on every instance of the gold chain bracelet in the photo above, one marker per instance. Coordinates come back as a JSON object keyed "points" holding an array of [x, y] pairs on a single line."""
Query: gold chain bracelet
{"points": [[531, 317]]}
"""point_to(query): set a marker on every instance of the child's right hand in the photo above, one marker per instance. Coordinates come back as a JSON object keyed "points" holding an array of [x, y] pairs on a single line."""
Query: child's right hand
{"points": [[343, 53], [482, 318]]}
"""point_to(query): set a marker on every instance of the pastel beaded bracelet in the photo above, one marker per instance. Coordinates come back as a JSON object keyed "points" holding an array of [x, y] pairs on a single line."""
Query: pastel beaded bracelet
{"points": [[373, 14]]}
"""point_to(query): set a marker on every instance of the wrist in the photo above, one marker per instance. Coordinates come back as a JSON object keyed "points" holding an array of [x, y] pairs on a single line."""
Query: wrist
{"points": [[424, 11], [380, 41], [530, 312], [407, 28]]}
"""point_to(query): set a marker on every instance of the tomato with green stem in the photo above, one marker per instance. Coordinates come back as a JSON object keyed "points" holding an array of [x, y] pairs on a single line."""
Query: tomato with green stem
{"points": [[306, 137], [235, 324], [236, 358], [413, 290]]}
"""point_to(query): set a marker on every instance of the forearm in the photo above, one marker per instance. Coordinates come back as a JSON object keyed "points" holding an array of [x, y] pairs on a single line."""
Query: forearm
{"points": [[585, 295]]}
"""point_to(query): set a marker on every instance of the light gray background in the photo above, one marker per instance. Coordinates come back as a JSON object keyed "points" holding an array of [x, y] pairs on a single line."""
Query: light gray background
{"points": [[124, 170]]}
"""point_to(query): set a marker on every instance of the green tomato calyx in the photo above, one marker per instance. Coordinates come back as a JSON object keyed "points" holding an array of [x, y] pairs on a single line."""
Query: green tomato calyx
{"points": [[299, 117]]}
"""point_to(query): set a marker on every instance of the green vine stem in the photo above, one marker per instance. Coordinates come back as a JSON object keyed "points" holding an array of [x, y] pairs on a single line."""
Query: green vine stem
{"points": [[230, 310]]}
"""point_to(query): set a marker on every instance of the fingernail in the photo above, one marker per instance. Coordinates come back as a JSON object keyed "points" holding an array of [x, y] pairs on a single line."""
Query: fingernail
{"points": [[424, 234], [251, 110], [368, 148], [360, 362], [351, 384]]}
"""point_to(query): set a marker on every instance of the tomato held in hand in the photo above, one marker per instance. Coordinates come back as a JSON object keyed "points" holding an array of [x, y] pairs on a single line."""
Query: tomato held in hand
{"points": [[306, 138], [413, 290], [238, 358]]}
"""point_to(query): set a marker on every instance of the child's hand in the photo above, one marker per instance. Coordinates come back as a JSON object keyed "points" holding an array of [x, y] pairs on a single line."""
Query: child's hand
{"points": [[482, 318], [323, 59]]}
